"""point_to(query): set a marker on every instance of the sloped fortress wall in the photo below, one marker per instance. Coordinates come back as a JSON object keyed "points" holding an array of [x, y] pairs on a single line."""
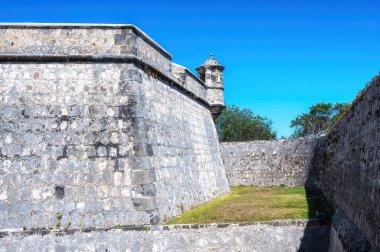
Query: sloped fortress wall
{"points": [[95, 131]]}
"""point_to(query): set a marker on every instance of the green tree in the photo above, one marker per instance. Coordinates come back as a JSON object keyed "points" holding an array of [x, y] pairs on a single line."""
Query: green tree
{"points": [[320, 118], [235, 124]]}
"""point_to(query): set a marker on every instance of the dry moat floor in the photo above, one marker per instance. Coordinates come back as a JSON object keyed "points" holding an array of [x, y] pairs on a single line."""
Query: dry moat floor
{"points": [[250, 204]]}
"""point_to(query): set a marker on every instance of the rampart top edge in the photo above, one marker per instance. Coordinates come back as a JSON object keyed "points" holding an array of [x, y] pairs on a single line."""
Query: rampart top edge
{"points": [[191, 74], [87, 26]]}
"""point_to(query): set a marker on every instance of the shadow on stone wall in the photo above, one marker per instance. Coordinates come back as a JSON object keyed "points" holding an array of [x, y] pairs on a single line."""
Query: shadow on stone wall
{"points": [[316, 239]]}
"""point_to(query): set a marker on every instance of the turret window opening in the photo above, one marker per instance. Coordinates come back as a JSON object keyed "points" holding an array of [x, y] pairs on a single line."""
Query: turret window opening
{"points": [[203, 77]]}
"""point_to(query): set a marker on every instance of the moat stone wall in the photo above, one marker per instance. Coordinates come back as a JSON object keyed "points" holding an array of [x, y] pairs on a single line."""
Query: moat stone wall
{"points": [[351, 176], [270, 163], [96, 132]]}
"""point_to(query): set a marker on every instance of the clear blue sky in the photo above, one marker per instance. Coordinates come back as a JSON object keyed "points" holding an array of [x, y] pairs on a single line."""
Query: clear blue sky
{"points": [[280, 56]]}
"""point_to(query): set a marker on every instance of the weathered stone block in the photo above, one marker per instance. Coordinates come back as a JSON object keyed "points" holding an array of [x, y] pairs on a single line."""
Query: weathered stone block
{"points": [[145, 204], [143, 177]]}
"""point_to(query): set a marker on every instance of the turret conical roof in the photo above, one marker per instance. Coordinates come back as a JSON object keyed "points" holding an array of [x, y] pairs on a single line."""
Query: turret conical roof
{"points": [[211, 62]]}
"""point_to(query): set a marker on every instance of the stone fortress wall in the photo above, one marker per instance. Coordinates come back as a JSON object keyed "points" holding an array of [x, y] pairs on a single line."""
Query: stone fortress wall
{"points": [[95, 128], [102, 137]]}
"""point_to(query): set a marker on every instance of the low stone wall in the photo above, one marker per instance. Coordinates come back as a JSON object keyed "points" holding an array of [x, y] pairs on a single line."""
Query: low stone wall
{"points": [[270, 163], [270, 236]]}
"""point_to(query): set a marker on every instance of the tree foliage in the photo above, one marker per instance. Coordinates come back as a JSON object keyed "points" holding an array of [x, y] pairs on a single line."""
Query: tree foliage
{"points": [[235, 124], [320, 117]]}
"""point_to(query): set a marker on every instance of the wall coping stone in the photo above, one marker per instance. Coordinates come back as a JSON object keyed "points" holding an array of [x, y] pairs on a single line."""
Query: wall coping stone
{"points": [[309, 224], [307, 138]]}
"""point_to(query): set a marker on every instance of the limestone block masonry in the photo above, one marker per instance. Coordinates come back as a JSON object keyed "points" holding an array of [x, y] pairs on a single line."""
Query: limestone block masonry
{"points": [[95, 131], [287, 162]]}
